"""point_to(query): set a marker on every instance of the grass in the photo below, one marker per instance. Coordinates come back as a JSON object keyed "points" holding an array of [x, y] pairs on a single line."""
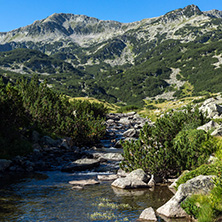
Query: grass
{"points": [[105, 210], [111, 107]]}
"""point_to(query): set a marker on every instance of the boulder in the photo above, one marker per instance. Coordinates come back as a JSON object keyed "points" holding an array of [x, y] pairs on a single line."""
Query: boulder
{"points": [[152, 182], [211, 107], [35, 137], [122, 173], [125, 121], [131, 133], [107, 177], [81, 165], [108, 156], [198, 185], [4, 164], [126, 183], [217, 132], [83, 183], [138, 174], [48, 141], [136, 179], [209, 126], [173, 185], [148, 214]]}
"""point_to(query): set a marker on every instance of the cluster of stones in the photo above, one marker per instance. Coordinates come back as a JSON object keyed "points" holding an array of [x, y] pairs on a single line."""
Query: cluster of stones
{"points": [[60, 154], [212, 107], [125, 126]]}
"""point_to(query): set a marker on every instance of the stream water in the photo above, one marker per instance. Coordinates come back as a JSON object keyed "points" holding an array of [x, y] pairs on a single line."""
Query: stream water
{"points": [[47, 196]]}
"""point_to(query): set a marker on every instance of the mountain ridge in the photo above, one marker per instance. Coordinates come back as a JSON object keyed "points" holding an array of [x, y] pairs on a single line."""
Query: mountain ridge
{"points": [[121, 61]]}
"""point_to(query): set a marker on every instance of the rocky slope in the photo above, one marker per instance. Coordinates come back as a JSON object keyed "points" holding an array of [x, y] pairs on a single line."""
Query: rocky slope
{"points": [[110, 54]]}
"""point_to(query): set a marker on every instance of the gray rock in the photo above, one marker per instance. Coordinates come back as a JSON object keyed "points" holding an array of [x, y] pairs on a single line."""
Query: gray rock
{"points": [[151, 182], [126, 183], [83, 182], [211, 108], [125, 121], [66, 143], [107, 177], [122, 173], [173, 185], [48, 141], [198, 185], [139, 174], [4, 164], [131, 133], [212, 159], [209, 101], [136, 179], [81, 165], [209, 126], [217, 132], [148, 214], [108, 156], [35, 137]]}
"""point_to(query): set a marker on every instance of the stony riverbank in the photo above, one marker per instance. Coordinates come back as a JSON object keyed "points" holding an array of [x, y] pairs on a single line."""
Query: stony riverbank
{"points": [[50, 154]]}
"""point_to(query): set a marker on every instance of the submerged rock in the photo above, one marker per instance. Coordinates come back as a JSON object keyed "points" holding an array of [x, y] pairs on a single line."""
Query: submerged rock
{"points": [[81, 165], [107, 177], [82, 183]]}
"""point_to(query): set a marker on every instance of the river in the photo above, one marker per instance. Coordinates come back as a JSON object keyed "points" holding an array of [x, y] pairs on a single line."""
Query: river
{"points": [[48, 196]]}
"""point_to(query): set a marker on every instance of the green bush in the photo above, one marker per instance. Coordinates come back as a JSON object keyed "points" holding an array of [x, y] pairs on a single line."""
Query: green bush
{"points": [[205, 169], [199, 207], [169, 146], [127, 108], [192, 148]]}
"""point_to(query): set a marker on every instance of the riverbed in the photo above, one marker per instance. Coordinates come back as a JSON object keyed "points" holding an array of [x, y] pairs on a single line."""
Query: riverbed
{"points": [[49, 197]]}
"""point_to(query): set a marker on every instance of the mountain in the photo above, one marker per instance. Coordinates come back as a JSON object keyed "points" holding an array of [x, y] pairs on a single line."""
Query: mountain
{"points": [[178, 54]]}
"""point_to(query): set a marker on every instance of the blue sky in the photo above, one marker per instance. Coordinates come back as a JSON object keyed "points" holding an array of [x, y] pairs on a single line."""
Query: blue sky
{"points": [[15, 13]]}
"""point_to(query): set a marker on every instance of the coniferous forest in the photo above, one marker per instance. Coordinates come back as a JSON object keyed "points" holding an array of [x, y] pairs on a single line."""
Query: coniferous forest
{"points": [[30, 105]]}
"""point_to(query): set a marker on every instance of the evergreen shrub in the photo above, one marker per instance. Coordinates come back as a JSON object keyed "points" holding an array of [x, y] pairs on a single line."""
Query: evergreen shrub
{"points": [[171, 145]]}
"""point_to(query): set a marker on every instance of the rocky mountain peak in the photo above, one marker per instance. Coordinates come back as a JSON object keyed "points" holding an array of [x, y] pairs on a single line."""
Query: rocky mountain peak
{"points": [[214, 13], [188, 11]]}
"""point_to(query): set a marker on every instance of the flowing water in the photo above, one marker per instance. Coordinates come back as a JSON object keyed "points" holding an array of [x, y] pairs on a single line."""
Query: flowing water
{"points": [[49, 197]]}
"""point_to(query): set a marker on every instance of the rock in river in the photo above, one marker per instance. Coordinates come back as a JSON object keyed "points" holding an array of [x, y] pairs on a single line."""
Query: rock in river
{"points": [[136, 179], [83, 182], [148, 214], [81, 165]]}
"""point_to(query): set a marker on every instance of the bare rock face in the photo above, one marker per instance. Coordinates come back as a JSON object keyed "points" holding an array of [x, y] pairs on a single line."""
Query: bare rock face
{"points": [[136, 179], [198, 185], [148, 214]]}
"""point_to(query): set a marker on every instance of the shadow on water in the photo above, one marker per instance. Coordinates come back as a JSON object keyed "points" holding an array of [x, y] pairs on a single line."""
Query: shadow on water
{"points": [[49, 197]]}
